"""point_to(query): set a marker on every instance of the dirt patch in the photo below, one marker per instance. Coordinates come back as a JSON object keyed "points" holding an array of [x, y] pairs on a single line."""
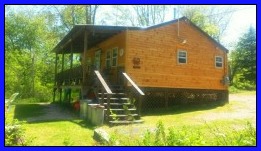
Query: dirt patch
{"points": [[239, 107], [53, 112]]}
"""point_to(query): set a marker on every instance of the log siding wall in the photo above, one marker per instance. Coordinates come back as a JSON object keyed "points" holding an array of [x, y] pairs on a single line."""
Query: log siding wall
{"points": [[157, 49]]}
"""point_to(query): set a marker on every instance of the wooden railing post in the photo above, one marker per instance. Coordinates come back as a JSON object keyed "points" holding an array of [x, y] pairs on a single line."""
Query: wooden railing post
{"points": [[108, 106], [140, 104], [102, 100]]}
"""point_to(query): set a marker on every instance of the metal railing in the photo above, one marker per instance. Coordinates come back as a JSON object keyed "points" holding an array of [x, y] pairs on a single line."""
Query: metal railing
{"points": [[140, 92], [105, 88]]}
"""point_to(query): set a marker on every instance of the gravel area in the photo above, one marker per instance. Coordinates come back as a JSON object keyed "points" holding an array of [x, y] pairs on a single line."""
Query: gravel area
{"points": [[242, 106]]}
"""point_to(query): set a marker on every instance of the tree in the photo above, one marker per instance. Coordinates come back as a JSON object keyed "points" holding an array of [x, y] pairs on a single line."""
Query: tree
{"points": [[137, 15], [27, 42], [148, 15], [211, 19], [119, 15], [243, 59]]}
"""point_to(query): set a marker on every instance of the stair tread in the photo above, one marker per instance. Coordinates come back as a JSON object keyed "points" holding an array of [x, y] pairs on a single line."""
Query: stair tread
{"points": [[118, 103], [124, 115], [132, 109], [126, 122], [113, 93], [115, 98]]}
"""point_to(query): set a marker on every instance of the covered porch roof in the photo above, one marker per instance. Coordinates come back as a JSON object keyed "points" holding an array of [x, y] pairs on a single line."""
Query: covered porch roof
{"points": [[96, 33]]}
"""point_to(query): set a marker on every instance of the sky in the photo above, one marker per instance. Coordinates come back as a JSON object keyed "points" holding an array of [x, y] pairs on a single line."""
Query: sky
{"points": [[241, 20], [243, 17]]}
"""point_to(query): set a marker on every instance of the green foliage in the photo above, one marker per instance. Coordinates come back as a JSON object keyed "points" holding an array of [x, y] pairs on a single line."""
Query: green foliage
{"points": [[233, 89], [43, 93], [29, 37], [14, 134], [207, 19], [113, 140], [243, 61], [67, 142], [189, 137], [114, 116], [147, 139], [246, 85], [198, 16], [28, 64], [173, 137], [245, 137]]}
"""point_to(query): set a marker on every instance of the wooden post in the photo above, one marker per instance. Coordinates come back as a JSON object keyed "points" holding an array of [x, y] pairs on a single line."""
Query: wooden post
{"points": [[71, 75], [62, 67], [84, 63], [166, 97], [108, 107], [102, 91], [140, 104], [71, 64], [70, 95], [55, 77]]}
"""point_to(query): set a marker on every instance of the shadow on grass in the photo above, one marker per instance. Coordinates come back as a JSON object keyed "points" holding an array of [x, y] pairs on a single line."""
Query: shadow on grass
{"points": [[179, 109], [25, 112]]}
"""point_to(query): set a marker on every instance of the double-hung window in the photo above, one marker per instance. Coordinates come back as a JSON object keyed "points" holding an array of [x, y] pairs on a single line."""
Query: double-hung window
{"points": [[108, 59], [182, 56], [114, 57], [219, 61]]}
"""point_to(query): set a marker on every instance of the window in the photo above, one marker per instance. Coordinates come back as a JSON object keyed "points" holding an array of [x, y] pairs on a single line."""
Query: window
{"points": [[219, 61], [108, 59], [114, 57], [182, 56]]}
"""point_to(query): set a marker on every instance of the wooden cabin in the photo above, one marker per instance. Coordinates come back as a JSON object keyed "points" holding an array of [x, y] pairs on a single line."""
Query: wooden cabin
{"points": [[163, 65]]}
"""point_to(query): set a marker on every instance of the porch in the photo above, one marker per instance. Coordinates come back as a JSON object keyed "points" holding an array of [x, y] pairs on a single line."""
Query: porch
{"points": [[116, 101]]}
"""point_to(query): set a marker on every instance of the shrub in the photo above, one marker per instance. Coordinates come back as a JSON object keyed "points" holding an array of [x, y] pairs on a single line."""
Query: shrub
{"points": [[189, 137], [43, 93], [245, 137], [233, 89], [14, 134]]}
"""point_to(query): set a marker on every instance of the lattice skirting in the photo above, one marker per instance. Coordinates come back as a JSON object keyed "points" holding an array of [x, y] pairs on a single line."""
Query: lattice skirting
{"points": [[166, 97]]}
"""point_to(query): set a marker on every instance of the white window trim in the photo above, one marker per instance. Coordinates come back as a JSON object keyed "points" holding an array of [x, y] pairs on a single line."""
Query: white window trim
{"points": [[114, 57], [222, 62], [180, 50], [110, 59]]}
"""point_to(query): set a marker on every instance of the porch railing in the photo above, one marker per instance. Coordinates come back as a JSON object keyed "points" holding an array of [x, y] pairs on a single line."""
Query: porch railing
{"points": [[104, 88], [70, 76], [140, 92]]}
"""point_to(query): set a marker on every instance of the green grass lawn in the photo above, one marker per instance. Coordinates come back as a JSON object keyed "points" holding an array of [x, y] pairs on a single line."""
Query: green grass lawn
{"points": [[51, 133], [60, 133], [201, 122]]}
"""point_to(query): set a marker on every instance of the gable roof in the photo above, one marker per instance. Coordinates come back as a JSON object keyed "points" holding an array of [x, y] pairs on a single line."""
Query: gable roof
{"points": [[99, 33]]}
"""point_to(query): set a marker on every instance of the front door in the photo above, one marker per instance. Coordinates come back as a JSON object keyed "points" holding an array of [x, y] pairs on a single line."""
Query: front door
{"points": [[97, 60], [120, 77]]}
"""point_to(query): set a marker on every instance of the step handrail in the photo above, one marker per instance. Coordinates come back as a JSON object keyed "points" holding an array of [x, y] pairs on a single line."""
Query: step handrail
{"points": [[108, 91], [133, 84], [104, 84]]}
